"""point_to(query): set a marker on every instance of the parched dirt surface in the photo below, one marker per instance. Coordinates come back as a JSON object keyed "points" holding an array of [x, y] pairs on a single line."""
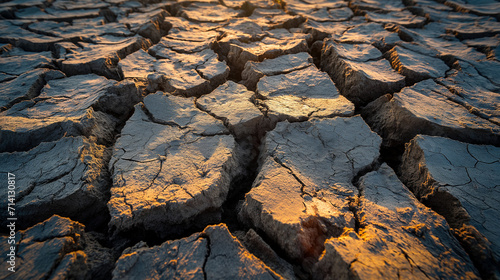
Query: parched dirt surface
{"points": [[250, 139]]}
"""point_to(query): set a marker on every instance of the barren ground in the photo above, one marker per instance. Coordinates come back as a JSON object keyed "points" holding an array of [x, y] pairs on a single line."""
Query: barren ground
{"points": [[250, 139]]}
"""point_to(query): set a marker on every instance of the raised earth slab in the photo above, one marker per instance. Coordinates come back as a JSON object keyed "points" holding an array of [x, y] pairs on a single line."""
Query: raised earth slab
{"points": [[185, 45], [326, 14], [264, 4], [270, 67], [17, 61], [321, 30], [324, 11], [308, 4], [73, 106], [278, 43], [101, 58], [484, 8], [208, 12], [13, 33], [67, 177], [308, 82], [57, 248], [303, 189], [404, 18], [183, 29], [488, 69], [368, 33], [416, 66], [482, 27], [473, 91], [231, 72], [233, 104], [36, 13], [356, 67], [172, 164], [300, 95], [398, 238], [276, 18], [425, 109], [433, 36], [239, 29], [257, 246], [205, 63], [25, 86], [150, 25], [213, 253], [378, 5], [89, 30], [460, 181], [188, 74]]}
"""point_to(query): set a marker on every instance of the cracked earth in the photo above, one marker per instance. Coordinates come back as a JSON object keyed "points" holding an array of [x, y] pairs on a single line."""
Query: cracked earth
{"points": [[251, 139]]}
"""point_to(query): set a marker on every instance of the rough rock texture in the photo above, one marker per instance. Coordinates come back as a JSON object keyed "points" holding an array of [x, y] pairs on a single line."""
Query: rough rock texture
{"points": [[57, 248], [301, 194], [72, 183], [301, 95], [424, 109], [78, 105], [459, 181], [398, 237], [356, 68], [172, 164], [213, 253]]}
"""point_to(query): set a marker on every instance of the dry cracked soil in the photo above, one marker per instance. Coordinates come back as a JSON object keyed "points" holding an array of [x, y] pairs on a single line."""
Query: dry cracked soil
{"points": [[250, 139]]}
